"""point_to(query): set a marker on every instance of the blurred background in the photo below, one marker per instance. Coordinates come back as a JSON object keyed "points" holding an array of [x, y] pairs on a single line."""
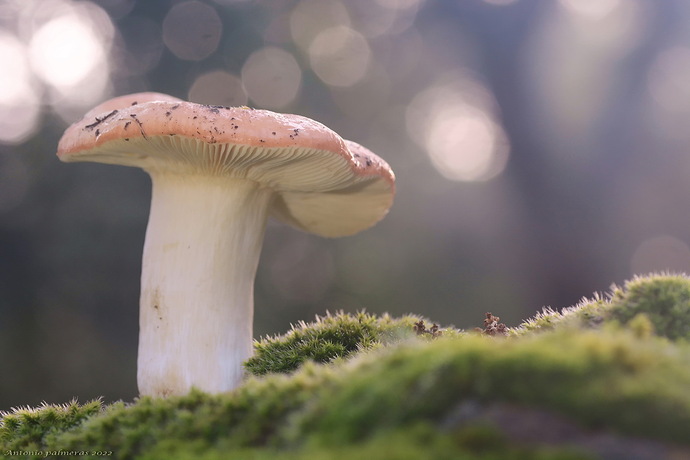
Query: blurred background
{"points": [[541, 147]]}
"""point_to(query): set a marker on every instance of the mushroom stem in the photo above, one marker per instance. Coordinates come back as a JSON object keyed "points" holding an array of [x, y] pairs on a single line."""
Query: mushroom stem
{"points": [[201, 253]]}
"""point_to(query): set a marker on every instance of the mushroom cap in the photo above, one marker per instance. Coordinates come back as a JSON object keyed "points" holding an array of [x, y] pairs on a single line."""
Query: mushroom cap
{"points": [[324, 184]]}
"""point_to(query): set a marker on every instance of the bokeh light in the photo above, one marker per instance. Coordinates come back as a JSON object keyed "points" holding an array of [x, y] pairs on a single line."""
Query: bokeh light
{"points": [[19, 104], [383, 19], [218, 88], [572, 66], [310, 17], [465, 144], [500, 2], [339, 56], [668, 86], [591, 9], [71, 48], [400, 4], [15, 76], [18, 121], [669, 79], [192, 30], [59, 56], [117, 8], [139, 46], [271, 77], [453, 122]]}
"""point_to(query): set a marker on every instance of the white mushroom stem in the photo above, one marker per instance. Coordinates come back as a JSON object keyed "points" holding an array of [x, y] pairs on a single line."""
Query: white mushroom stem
{"points": [[202, 249]]}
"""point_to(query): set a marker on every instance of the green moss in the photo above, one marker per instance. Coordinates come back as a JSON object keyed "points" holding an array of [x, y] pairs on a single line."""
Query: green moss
{"points": [[588, 314], [663, 299], [413, 395], [329, 338], [28, 428], [596, 379], [422, 441]]}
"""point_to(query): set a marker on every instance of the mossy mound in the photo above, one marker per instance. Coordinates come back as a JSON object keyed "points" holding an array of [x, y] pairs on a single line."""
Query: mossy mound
{"points": [[329, 338], [564, 393], [662, 300], [441, 393], [30, 428]]}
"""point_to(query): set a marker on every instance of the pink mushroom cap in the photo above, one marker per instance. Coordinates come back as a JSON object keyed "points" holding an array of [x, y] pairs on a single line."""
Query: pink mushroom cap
{"points": [[323, 183]]}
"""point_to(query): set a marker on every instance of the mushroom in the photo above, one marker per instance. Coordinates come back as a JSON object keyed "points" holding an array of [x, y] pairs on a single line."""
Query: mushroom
{"points": [[217, 173]]}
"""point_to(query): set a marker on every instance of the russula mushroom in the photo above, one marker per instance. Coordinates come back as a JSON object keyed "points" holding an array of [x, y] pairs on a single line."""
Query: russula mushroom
{"points": [[217, 173]]}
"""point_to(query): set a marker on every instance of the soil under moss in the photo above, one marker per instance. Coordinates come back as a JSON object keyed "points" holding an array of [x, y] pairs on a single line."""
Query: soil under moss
{"points": [[608, 378]]}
